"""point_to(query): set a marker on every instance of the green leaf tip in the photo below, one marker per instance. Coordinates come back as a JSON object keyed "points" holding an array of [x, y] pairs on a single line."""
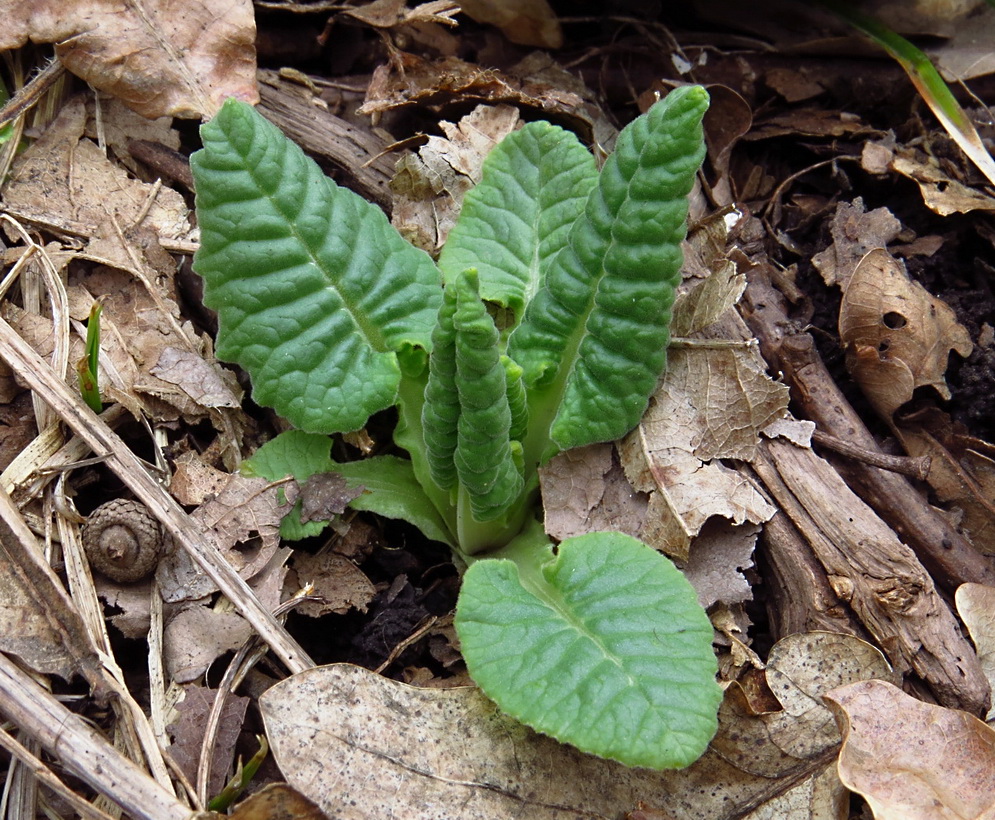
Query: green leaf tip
{"points": [[604, 647], [316, 292]]}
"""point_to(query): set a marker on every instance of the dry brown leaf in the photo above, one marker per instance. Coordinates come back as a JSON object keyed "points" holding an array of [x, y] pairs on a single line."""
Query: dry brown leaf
{"points": [[429, 186], [207, 383], [161, 57], [716, 564], [65, 179], [962, 470], [711, 405], [349, 739], [195, 637], [243, 509], [976, 607], [585, 490], [526, 22], [940, 192], [535, 82], [277, 801], [187, 732], [336, 580], [26, 630], [912, 760], [897, 335]]}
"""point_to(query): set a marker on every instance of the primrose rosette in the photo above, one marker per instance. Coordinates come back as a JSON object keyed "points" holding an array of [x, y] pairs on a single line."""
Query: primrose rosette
{"points": [[598, 641]]}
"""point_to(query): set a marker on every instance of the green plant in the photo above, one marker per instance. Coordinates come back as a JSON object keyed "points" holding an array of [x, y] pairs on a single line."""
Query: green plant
{"points": [[550, 333]]}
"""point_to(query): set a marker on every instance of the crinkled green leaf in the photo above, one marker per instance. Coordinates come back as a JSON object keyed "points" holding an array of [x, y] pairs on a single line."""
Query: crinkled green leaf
{"points": [[467, 365], [316, 292], [593, 341], [533, 186], [440, 412], [603, 646]]}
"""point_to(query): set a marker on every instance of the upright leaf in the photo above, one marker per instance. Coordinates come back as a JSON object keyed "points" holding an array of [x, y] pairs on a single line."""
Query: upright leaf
{"points": [[593, 341], [483, 456], [533, 186], [316, 292]]}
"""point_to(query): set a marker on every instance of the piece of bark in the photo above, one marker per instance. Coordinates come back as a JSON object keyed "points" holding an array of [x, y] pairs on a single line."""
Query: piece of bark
{"points": [[319, 132], [876, 574], [788, 348], [801, 599]]}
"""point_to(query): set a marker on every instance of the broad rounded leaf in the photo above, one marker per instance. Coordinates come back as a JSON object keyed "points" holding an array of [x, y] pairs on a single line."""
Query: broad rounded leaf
{"points": [[604, 646], [316, 292], [593, 341], [533, 186]]}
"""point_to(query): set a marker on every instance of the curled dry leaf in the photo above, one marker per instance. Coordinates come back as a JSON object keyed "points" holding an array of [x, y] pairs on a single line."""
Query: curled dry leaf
{"points": [[349, 739], [976, 607], [912, 760], [897, 335], [161, 58]]}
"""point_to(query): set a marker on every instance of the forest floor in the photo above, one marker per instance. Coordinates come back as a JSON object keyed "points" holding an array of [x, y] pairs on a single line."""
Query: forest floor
{"points": [[828, 488]]}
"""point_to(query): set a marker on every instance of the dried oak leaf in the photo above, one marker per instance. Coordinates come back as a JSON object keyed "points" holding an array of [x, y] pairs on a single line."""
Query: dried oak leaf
{"points": [[526, 22], [910, 759], [897, 335], [855, 232], [161, 57], [243, 520]]}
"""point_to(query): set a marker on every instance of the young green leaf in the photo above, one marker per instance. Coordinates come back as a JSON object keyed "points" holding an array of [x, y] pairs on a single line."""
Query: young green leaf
{"points": [[593, 341], [473, 431], [603, 646], [316, 292], [533, 186]]}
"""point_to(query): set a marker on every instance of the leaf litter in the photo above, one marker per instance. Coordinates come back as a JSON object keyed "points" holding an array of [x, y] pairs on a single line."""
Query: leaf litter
{"points": [[702, 436]]}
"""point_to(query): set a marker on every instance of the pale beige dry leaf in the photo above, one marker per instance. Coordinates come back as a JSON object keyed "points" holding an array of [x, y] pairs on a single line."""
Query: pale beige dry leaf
{"points": [[702, 302], [195, 637], [821, 796], [585, 490], [898, 336], [161, 57], [429, 186], [208, 384], [26, 630], [526, 22], [855, 232], [976, 607], [349, 739], [194, 481], [711, 405], [721, 554], [912, 760]]}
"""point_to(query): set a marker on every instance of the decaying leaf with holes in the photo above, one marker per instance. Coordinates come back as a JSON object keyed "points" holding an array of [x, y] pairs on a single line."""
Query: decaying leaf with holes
{"points": [[897, 336]]}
